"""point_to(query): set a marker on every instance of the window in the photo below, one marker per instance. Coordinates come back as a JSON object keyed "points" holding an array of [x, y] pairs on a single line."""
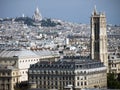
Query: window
{"points": [[69, 78], [85, 83], [63, 78], [81, 83], [60, 78], [78, 84], [8, 80], [7, 86], [13, 79], [70, 83], [80, 66], [56, 83], [44, 77], [84, 72], [112, 57], [81, 72], [77, 66], [8, 73], [44, 83]]}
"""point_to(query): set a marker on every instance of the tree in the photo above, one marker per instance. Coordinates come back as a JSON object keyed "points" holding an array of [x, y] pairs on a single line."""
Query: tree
{"points": [[112, 81], [21, 86]]}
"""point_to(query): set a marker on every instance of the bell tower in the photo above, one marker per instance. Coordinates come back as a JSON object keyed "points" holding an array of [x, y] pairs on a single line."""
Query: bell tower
{"points": [[99, 37]]}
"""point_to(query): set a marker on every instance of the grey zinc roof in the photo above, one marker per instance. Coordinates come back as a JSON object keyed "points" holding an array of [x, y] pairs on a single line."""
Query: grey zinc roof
{"points": [[23, 53], [46, 53], [19, 53], [82, 64]]}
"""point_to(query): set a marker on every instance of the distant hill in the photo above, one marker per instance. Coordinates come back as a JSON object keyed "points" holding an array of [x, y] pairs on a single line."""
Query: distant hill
{"points": [[49, 23], [26, 20], [31, 22]]}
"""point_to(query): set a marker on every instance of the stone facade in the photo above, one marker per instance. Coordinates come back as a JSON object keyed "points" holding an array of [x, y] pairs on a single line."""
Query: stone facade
{"points": [[114, 62], [22, 59], [9, 76], [78, 73]]}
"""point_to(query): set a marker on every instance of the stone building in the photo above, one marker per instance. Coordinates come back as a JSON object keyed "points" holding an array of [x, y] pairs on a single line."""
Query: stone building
{"points": [[22, 59], [114, 62], [75, 72], [9, 76]]}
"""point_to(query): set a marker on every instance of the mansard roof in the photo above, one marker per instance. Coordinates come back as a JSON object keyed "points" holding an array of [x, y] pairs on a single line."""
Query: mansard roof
{"points": [[62, 64]]}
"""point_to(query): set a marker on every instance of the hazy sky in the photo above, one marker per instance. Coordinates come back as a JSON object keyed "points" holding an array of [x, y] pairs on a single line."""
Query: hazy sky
{"points": [[69, 10]]}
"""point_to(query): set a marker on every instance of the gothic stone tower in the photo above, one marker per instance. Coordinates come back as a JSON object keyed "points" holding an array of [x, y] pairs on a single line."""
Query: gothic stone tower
{"points": [[99, 37]]}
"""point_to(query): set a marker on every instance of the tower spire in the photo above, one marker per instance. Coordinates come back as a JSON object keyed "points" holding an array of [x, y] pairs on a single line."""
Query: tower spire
{"points": [[95, 10]]}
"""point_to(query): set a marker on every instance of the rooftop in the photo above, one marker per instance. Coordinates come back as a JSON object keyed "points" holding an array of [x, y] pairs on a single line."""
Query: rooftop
{"points": [[23, 53], [20, 53], [62, 64]]}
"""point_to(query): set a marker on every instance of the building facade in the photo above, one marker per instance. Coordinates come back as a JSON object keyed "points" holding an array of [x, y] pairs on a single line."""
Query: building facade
{"points": [[99, 37], [114, 62], [22, 59], [9, 76], [59, 74]]}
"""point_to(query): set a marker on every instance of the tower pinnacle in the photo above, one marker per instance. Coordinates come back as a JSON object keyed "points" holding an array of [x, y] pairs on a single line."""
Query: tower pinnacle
{"points": [[95, 10]]}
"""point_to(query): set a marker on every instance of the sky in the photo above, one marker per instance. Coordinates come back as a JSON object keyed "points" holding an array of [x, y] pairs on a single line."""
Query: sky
{"points": [[77, 11]]}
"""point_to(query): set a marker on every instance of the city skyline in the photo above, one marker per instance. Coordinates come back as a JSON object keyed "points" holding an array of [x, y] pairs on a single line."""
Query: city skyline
{"points": [[78, 11]]}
